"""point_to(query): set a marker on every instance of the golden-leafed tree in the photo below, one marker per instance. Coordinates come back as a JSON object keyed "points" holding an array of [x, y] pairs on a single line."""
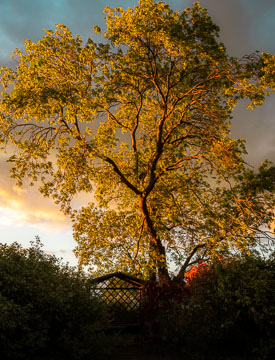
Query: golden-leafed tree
{"points": [[141, 123]]}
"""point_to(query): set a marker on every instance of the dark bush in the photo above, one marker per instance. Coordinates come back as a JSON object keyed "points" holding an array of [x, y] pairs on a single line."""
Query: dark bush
{"points": [[232, 308], [226, 309], [161, 308], [46, 310]]}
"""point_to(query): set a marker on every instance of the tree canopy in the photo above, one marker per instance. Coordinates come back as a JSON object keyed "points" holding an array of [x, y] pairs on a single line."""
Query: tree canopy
{"points": [[141, 123]]}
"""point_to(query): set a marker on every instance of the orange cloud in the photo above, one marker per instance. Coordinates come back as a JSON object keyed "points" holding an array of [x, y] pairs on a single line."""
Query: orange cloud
{"points": [[19, 206]]}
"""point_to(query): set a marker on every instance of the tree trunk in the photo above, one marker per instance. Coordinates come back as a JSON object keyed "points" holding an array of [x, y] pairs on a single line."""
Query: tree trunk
{"points": [[157, 251]]}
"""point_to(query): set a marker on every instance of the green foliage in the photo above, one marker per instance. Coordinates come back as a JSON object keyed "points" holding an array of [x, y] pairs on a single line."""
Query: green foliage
{"points": [[46, 308], [142, 124]]}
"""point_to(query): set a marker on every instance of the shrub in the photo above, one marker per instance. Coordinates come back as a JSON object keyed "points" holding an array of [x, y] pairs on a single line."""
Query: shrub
{"points": [[227, 308], [46, 308], [232, 308]]}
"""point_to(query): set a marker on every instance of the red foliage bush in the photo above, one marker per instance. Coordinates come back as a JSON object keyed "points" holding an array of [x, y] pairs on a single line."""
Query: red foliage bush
{"points": [[196, 270]]}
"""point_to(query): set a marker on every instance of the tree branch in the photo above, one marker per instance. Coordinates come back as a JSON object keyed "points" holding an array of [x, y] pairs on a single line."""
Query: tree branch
{"points": [[123, 179], [187, 261]]}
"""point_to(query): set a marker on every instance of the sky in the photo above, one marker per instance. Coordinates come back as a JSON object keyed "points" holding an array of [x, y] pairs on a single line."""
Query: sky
{"points": [[246, 26]]}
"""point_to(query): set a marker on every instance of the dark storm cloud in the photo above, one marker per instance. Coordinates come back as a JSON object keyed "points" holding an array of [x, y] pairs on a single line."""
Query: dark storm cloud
{"points": [[20, 20], [25, 19], [246, 25]]}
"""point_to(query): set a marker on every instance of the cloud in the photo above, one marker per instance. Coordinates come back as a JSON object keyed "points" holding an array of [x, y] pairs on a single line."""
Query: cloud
{"points": [[257, 127], [246, 25], [19, 206], [20, 20]]}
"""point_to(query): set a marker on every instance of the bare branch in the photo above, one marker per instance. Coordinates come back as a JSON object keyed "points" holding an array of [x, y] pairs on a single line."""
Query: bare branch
{"points": [[187, 261], [123, 179]]}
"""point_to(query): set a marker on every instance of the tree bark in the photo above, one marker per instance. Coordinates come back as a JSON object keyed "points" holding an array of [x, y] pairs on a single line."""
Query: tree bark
{"points": [[157, 250]]}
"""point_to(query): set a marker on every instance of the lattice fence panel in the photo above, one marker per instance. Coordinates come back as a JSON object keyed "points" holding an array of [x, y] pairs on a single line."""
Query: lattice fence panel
{"points": [[118, 293]]}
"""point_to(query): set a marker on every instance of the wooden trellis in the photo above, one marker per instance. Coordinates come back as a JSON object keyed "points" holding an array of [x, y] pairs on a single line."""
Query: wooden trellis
{"points": [[119, 290]]}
